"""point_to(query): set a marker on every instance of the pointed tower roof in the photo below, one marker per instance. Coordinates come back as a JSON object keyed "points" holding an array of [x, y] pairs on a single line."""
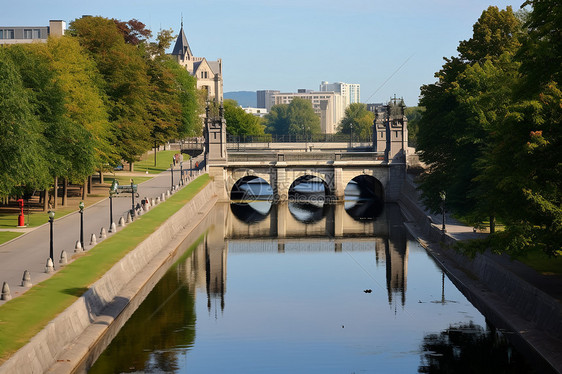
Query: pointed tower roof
{"points": [[181, 46]]}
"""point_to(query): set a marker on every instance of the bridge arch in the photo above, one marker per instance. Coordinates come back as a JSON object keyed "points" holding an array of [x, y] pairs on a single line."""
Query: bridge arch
{"points": [[238, 177], [364, 197]]}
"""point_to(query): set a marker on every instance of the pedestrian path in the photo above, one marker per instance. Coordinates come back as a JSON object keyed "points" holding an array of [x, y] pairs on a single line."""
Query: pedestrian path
{"points": [[31, 250]]}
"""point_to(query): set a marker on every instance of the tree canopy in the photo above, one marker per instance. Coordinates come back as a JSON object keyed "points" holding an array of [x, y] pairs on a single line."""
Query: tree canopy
{"points": [[357, 119], [296, 118], [238, 122], [83, 101], [491, 130]]}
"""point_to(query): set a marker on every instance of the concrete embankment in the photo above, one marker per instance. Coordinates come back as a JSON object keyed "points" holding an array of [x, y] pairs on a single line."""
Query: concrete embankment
{"points": [[495, 285], [67, 339]]}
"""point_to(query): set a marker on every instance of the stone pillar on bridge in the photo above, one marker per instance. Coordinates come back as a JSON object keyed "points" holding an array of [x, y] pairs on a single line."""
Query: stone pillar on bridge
{"points": [[390, 131], [338, 184], [282, 212], [215, 147]]}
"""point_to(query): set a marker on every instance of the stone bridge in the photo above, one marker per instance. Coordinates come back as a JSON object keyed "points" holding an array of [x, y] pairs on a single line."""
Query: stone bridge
{"points": [[382, 161]]}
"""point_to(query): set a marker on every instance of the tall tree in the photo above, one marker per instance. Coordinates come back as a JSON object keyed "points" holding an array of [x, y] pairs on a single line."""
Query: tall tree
{"points": [[357, 119], [453, 131], [302, 119], [125, 82], [277, 120], [238, 122], [22, 161]]}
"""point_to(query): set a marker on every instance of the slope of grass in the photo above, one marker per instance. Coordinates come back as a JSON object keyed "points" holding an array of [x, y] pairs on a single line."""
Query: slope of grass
{"points": [[163, 161], [24, 316]]}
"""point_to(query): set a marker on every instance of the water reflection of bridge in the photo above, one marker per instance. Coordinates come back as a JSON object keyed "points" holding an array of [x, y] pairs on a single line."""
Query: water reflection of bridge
{"points": [[207, 266]]}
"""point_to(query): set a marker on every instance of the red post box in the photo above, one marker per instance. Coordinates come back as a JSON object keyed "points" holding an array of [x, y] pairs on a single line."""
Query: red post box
{"points": [[21, 219]]}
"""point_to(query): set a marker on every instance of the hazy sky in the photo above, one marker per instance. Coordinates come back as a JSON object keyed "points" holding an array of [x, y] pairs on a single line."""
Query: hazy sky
{"points": [[387, 47]]}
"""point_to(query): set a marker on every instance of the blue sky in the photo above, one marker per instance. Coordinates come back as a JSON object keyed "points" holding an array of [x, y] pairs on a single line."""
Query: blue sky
{"points": [[390, 48]]}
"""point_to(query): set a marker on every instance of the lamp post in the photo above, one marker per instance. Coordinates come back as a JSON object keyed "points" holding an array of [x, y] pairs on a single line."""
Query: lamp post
{"points": [[51, 221], [181, 172], [172, 174], [190, 167], [81, 206], [443, 196], [112, 192], [132, 200], [351, 135]]}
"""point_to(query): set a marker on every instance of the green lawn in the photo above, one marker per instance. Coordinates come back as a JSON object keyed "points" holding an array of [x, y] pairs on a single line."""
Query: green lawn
{"points": [[125, 180], [24, 316], [8, 235], [542, 263], [163, 161]]}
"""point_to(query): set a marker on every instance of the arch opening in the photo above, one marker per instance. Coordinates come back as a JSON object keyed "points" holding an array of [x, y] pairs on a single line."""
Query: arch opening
{"points": [[307, 198], [364, 198], [251, 199]]}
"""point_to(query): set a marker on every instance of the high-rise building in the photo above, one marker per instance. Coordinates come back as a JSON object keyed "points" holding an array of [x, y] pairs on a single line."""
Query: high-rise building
{"points": [[30, 34], [350, 92], [265, 98]]}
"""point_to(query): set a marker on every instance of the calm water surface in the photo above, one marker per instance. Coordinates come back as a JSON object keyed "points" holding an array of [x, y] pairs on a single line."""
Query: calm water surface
{"points": [[292, 290]]}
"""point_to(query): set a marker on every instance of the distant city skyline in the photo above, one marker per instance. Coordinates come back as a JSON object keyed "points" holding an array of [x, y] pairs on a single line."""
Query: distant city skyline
{"points": [[389, 49]]}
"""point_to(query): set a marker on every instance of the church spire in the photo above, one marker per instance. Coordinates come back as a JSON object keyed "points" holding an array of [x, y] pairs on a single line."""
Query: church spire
{"points": [[181, 48]]}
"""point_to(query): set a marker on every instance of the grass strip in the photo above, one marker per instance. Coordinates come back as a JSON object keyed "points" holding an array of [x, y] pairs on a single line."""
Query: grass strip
{"points": [[23, 317], [163, 161], [8, 235]]}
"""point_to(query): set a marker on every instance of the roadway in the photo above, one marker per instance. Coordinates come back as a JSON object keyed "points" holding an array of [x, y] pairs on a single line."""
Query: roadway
{"points": [[30, 251]]}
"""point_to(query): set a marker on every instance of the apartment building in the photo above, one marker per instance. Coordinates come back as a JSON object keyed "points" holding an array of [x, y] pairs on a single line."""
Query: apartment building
{"points": [[31, 34]]}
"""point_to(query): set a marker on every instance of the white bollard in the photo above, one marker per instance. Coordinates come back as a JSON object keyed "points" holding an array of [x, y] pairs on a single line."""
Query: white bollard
{"points": [[103, 235], [49, 268], [63, 260], [26, 280], [112, 228], [78, 247], [6, 295], [93, 240]]}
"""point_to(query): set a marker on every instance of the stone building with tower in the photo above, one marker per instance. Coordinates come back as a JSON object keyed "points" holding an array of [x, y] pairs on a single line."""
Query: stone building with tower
{"points": [[390, 130], [208, 73]]}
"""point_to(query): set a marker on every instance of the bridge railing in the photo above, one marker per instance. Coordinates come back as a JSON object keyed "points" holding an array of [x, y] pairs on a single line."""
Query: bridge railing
{"points": [[292, 138], [306, 156]]}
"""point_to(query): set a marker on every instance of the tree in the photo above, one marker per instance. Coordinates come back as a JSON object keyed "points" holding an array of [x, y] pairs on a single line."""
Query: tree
{"points": [[238, 122], [83, 100], [296, 118], [357, 119], [414, 115], [126, 83], [454, 129], [22, 161]]}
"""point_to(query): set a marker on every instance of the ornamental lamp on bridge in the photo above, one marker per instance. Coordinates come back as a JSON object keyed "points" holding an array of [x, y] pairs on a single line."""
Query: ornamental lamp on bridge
{"points": [[112, 192]]}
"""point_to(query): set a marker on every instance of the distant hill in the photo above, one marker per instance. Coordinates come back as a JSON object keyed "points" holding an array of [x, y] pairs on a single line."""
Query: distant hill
{"points": [[244, 98]]}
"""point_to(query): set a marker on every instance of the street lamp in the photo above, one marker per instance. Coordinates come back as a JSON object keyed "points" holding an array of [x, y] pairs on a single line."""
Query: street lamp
{"points": [[51, 221], [351, 135], [181, 172], [132, 200], [172, 174], [81, 206], [190, 167], [443, 196], [112, 192]]}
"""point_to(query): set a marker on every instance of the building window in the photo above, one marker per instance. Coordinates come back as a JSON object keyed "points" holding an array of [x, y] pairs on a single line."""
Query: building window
{"points": [[27, 33], [7, 34], [36, 34]]}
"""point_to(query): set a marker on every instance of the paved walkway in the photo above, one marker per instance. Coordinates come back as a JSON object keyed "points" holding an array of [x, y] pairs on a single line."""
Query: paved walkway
{"points": [[30, 251]]}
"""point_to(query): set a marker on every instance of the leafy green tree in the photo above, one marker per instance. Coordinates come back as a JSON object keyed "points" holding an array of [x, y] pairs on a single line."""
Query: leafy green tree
{"points": [[238, 122], [454, 129], [357, 119], [302, 119], [22, 153], [413, 114], [126, 83], [68, 146], [84, 102], [296, 118], [277, 120]]}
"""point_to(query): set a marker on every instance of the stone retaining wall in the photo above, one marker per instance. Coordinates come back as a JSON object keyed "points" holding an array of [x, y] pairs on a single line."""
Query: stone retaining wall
{"points": [[507, 300], [44, 349]]}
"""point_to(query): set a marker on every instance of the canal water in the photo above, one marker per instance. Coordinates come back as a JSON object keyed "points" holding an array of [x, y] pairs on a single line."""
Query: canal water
{"points": [[306, 288]]}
